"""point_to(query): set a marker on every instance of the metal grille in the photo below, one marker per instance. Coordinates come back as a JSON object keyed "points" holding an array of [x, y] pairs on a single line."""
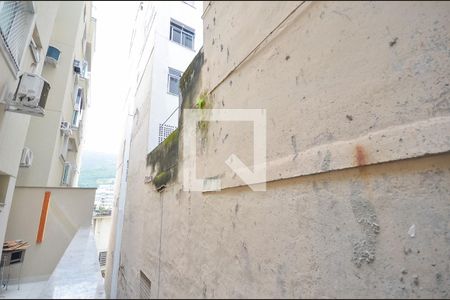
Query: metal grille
{"points": [[14, 23], [145, 287], [164, 132], [102, 258]]}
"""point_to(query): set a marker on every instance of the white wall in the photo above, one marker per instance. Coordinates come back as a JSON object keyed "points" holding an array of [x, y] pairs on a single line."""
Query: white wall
{"points": [[170, 54]]}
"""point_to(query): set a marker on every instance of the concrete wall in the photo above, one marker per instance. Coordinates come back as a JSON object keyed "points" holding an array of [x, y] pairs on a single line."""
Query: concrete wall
{"points": [[69, 210], [356, 97]]}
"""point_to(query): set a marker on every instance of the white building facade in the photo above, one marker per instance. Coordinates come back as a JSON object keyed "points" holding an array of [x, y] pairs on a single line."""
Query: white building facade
{"points": [[166, 37]]}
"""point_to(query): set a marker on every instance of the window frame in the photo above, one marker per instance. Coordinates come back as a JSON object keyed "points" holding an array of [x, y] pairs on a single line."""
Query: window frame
{"points": [[66, 177], [65, 147], [184, 31], [176, 76], [76, 116]]}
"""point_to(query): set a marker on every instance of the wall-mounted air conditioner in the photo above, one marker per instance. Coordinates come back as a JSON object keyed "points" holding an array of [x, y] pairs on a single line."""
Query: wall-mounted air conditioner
{"points": [[30, 96], [27, 157], [67, 174], [52, 56], [66, 128], [77, 66]]}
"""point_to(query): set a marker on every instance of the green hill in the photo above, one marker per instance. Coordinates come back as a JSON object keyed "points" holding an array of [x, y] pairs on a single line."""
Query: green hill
{"points": [[97, 168]]}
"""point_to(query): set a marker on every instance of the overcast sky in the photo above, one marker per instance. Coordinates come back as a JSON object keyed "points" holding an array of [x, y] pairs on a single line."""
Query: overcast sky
{"points": [[105, 121]]}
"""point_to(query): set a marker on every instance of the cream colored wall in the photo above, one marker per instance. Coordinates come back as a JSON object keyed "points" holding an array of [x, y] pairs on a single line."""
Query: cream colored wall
{"points": [[7, 184], [44, 136], [67, 109], [356, 102], [69, 210], [14, 126]]}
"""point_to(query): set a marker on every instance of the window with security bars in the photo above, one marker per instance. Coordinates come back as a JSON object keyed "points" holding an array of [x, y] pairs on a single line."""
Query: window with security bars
{"points": [[164, 132], [173, 84], [102, 258], [182, 34], [145, 287], [15, 24]]}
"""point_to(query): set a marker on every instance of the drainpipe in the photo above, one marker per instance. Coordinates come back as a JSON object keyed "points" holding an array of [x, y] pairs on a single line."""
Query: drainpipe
{"points": [[121, 205]]}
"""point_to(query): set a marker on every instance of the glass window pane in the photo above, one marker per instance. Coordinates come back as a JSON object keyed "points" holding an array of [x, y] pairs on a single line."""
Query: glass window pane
{"points": [[75, 119], [176, 35], [187, 41], [174, 72], [173, 85]]}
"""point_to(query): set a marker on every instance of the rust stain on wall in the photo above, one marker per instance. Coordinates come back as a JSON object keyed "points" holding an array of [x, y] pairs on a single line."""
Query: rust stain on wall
{"points": [[360, 155]]}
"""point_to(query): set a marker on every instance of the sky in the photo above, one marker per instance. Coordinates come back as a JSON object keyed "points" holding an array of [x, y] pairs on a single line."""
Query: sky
{"points": [[105, 122]]}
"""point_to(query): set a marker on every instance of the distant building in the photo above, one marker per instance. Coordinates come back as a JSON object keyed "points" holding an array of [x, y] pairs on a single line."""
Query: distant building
{"points": [[104, 198]]}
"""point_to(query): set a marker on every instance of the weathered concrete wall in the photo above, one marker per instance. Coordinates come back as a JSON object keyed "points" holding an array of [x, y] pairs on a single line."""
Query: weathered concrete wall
{"points": [[298, 239], [357, 103]]}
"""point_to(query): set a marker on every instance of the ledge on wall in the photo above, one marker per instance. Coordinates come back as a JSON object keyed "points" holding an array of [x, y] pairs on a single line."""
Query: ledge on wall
{"points": [[163, 161]]}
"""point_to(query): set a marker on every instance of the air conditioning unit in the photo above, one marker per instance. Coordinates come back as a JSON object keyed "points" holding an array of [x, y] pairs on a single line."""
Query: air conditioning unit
{"points": [[52, 56], [77, 66], [30, 96], [67, 174], [27, 158], [66, 128]]}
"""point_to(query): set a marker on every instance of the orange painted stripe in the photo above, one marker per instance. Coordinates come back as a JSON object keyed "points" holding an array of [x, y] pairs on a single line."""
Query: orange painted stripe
{"points": [[44, 211]]}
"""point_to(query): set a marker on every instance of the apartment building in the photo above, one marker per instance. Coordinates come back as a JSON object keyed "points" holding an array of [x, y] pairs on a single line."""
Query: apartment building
{"points": [[357, 123], [23, 48], [56, 140], [47, 50], [166, 37]]}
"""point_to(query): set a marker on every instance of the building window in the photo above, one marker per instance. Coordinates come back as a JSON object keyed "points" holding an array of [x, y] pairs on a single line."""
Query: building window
{"points": [[102, 258], [78, 99], [15, 23], [164, 132], [173, 84], [76, 118], [67, 174], [182, 34]]}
